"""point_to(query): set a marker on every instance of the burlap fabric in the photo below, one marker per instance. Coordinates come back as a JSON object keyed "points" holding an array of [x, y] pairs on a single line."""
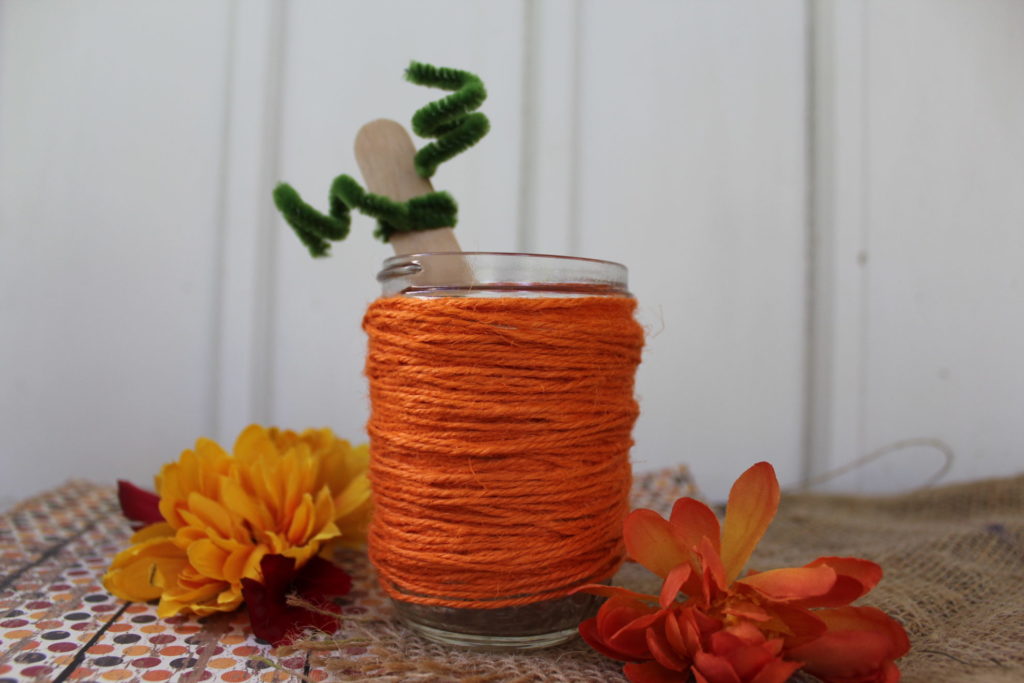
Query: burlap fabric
{"points": [[954, 569], [954, 576]]}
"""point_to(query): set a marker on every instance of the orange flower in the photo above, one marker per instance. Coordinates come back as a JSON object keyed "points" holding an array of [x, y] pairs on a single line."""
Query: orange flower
{"points": [[280, 493], [760, 627]]}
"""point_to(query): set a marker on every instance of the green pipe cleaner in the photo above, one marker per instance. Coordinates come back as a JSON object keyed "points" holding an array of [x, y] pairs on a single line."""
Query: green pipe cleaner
{"points": [[454, 125]]}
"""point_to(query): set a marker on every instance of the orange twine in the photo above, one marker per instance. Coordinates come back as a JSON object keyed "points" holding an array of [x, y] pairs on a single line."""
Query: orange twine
{"points": [[499, 436]]}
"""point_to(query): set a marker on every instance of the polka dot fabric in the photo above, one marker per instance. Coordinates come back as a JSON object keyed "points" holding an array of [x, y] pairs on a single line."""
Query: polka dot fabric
{"points": [[58, 623]]}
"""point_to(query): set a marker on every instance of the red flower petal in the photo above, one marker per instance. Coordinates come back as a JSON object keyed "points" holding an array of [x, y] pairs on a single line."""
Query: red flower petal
{"points": [[796, 624], [270, 615], [673, 582], [278, 572], [748, 632], [722, 642], [713, 576], [715, 669], [652, 672], [320, 580], [617, 630], [664, 653], [690, 629], [591, 636], [675, 638], [695, 520], [748, 660], [792, 583], [140, 506], [632, 638], [654, 542], [861, 643], [746, 610], [854, 578], [776, 671]]}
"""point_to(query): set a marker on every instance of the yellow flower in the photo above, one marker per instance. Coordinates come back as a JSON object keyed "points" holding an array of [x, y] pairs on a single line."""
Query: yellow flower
{"points": [[278, 493], [142, 569]]}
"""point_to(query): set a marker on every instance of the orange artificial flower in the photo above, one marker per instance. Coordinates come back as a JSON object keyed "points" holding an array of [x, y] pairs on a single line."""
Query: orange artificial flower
{"points": [[711, 623], [279, 493]]}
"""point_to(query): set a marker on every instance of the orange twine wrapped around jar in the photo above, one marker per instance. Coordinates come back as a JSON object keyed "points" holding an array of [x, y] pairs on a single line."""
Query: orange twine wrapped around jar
{"points": [[500, 435]]}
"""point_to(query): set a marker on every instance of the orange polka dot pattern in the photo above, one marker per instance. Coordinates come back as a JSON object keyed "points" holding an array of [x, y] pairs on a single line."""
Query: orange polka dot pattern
{"points": [[57, 620]]}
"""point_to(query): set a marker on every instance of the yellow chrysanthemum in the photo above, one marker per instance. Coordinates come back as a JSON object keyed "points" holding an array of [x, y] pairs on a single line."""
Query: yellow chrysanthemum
{"points": [[278, 493]]}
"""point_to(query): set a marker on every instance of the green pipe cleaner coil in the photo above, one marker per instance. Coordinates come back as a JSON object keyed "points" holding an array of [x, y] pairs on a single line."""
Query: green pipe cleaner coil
{"points": [[454, 125], [452, 120]]}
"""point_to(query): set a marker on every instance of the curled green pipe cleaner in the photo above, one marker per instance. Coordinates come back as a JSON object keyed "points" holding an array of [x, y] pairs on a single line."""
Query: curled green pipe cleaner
{"points": [[454, 126], [452, 120]]}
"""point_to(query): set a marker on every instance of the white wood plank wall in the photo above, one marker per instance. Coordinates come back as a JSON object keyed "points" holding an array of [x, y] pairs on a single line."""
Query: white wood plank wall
{"points": [[821, 205]]}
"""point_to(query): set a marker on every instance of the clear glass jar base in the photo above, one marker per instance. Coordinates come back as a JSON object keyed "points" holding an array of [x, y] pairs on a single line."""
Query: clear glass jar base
{"points": [[492, 643], [520, 627]]}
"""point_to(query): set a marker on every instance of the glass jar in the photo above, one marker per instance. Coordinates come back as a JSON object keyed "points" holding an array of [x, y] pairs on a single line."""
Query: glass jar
{"points": [[546, 622]]}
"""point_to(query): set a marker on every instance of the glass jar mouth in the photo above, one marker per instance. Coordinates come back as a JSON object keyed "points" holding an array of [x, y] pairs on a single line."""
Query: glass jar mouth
{"points": [[400, 259], [488, 273]]}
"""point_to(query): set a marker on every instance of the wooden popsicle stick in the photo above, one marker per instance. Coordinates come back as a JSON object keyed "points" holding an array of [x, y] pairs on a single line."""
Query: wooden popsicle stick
{"points": [[384, 152]]}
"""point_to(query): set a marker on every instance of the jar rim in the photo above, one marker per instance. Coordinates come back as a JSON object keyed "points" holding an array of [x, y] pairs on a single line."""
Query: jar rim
{"points": [[400, 258], [500, 273]]}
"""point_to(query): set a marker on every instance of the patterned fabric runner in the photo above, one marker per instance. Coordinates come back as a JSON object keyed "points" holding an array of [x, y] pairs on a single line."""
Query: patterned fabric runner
{"points": [[57, 622]]}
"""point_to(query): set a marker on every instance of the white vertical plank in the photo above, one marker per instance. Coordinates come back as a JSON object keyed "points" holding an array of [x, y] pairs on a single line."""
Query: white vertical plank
{"points": [[839, 324], [692, 172], [249, 220], [551, 128], [945, 209], [343, 69], [110, 127]]}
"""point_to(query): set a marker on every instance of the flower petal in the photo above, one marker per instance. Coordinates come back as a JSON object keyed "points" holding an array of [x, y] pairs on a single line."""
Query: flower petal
{"points": [[695, 520], [234, 565], [664, 653], [631, 637], [354, 495], [138, 505], [196, 593], [861, 641], [588, 631], [608, 632], [854, 578], [673, 582], [277, 572], [749, 660], [690, 630], [654, 542], [753, 500], [776, 671], [792, 583], [674, 635], [236, 498], [320, 580], [135, 572], [210, 514], [159, 530], [303, 518], [746, 610], [713, 574], [270, 615], [748, 652], [796, 624], [651, 672], [715, 669], [207, 559]]}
